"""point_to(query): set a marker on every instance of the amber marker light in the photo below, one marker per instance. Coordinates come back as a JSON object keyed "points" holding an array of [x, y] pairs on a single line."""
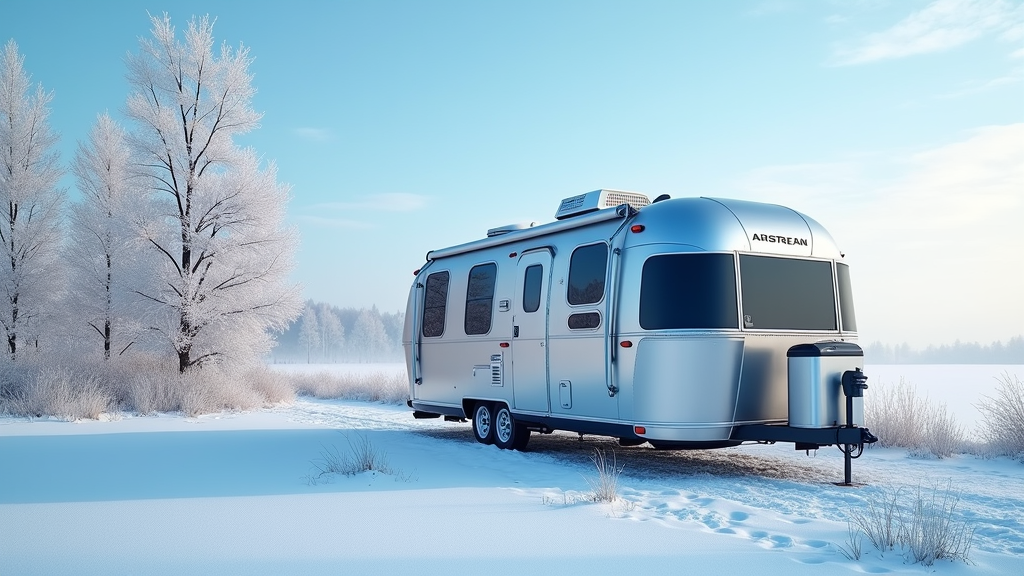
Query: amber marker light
{"points": [[637, 228]]}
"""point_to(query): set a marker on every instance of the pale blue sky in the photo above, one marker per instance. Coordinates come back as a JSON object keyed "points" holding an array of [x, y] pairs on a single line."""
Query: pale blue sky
{"points": [[408, 126]]}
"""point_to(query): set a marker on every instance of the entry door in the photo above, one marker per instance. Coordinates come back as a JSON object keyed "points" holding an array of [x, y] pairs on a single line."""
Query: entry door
{"points": [[530, 332]]}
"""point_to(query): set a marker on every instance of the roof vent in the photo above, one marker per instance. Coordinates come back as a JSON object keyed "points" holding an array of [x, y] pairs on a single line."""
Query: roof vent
{"points": [[510, 228], [598, 199]]}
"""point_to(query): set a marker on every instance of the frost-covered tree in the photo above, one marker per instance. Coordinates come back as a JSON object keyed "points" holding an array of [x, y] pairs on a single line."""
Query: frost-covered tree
{"points": [[216, 218], [332, 333], [30, 205], [309, 333], [368, 336], [100, 253]]}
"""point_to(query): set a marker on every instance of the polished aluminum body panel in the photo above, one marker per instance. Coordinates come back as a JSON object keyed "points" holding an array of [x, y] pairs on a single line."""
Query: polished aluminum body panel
{"points": [[679, 385]]}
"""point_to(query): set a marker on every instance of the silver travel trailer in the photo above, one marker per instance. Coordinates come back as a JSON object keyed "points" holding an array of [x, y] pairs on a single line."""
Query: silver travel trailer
{"points": [[685, 323]]}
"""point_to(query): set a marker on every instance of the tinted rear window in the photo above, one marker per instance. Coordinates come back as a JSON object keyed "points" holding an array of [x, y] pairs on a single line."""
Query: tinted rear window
{"points": [[688, 291], [787, 294]]}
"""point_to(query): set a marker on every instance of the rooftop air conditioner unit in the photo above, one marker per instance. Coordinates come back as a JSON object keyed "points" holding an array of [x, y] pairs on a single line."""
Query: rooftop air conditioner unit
{"points": [[598, 199]]}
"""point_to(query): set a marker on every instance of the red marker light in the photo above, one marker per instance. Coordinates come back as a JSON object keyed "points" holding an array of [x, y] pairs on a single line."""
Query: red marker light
{"points": [[416, 272], [626, 344], [503, 344], [637, 228], [639, 430], [513, 255]]}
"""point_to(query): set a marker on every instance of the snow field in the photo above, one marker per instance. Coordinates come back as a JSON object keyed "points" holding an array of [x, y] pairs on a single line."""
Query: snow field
{"points": [[228, 493]]}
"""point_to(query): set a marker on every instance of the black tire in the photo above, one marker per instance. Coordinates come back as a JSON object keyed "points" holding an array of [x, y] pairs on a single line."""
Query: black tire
{"points": [[509, 434], [483, 423]]}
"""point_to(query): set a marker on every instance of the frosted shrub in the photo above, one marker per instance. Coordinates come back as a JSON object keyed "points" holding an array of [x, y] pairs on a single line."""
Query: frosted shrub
{"points": [[56, 391], [1003, 417], [903, 419], [212, 389], [72, 388], [383, 387], [13, 378], [273, 386], [897, 415], [149, 391], [945, 436]]}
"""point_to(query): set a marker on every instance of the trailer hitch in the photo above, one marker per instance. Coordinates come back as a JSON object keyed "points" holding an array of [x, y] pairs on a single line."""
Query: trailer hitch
{"points": [[855, 382]]}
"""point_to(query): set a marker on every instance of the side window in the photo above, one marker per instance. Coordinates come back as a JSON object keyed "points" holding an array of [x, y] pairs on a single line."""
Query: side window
{"points": [[846, 315], [586, 274], [434, 304], [532, 287], [479, 298], [688, 291]]}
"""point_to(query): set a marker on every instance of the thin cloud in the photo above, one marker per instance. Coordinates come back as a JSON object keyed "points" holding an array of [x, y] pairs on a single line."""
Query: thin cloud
{"points": [[979, 87], [328, 222], [387, 202], [313, 134], [940, 26]]}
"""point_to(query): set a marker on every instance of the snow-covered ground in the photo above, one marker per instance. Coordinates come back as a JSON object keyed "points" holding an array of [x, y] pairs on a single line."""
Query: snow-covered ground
{"points": [[231, 494]]}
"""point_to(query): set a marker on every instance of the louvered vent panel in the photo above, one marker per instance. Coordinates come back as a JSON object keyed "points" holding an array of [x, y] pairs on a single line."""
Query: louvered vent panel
{"points": [[496, 379], [614, 198]]}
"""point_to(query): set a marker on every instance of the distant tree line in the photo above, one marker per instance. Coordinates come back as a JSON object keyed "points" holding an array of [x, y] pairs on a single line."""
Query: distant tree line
{"points": [[1012, 352], [328, 334]]}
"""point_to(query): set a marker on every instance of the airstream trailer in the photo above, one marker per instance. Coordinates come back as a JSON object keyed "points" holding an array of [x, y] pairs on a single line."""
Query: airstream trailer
{"points": [[684, 323]]}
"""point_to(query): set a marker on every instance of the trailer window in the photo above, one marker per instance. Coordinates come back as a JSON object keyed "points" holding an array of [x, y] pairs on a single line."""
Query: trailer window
{"points": [[532, 287], [479, 298], [435, 303], [584, 321], [688, 291], [846, 316], [787, 294], [586, 274]]}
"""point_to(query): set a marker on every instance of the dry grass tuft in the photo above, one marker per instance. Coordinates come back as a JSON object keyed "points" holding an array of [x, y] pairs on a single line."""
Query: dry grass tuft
{"points": [[362, 456], [921, 525], [604, 488]]}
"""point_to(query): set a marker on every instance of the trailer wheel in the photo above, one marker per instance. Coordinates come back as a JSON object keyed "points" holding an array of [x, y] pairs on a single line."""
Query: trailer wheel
{"points": [[509, 434], [483, 423]]}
